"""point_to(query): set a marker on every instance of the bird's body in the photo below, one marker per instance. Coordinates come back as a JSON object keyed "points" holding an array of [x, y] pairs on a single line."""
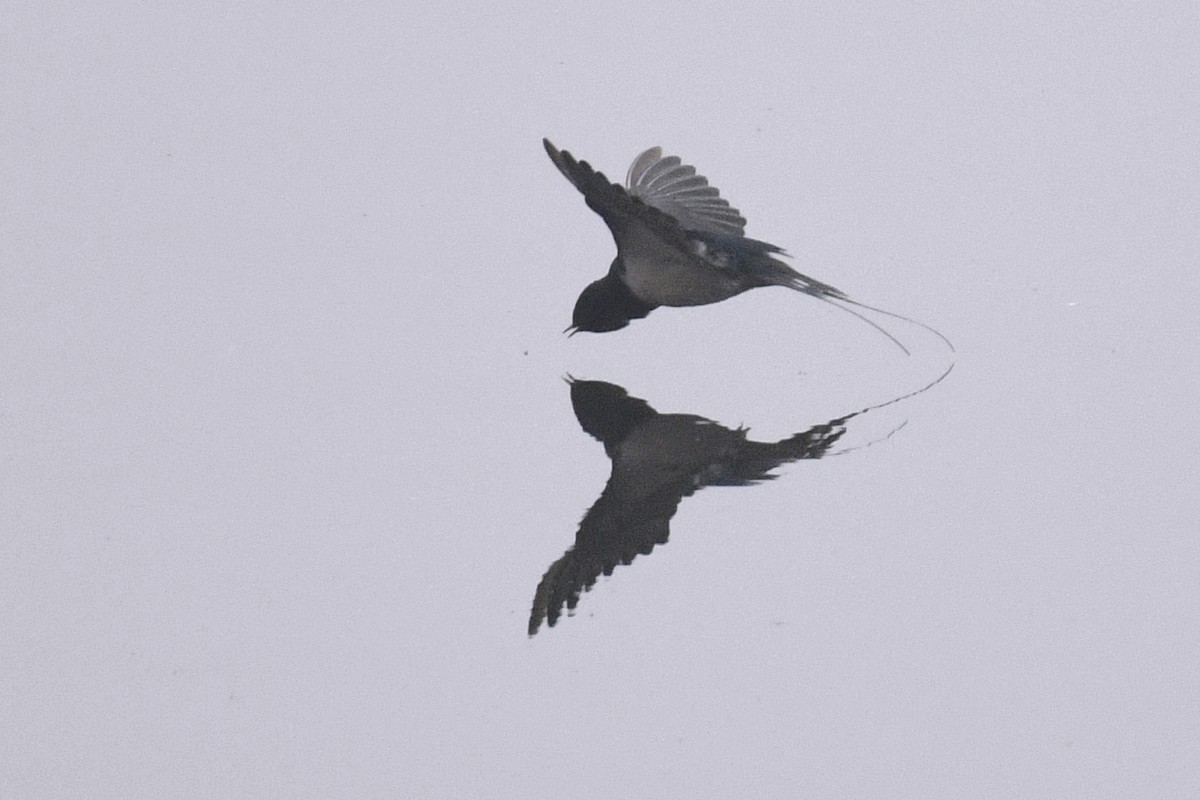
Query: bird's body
{"points": [[679, 243], [669, 277]]}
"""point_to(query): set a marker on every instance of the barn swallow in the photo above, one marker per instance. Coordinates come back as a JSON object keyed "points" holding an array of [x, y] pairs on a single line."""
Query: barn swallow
{"points": [[679, 243]]}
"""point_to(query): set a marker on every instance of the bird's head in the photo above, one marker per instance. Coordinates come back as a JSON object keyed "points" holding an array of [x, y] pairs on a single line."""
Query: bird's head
{"points": [[600, 309]]}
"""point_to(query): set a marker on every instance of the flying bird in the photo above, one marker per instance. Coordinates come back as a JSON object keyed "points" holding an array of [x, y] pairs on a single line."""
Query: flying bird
{"points": [[679, 243]]}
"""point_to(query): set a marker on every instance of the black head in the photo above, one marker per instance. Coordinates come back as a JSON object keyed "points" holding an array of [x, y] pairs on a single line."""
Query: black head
{"points": [[607, 305]]}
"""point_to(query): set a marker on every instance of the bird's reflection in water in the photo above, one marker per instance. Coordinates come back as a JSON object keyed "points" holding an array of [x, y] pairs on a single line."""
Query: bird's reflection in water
{"points": [[657, 460]]}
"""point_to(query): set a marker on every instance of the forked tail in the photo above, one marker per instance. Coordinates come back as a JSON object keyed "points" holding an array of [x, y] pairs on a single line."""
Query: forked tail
{"points": [[835, 298]]}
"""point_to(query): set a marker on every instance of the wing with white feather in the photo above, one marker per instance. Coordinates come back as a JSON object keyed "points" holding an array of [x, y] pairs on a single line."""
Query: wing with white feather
{"points": [[673, 187]]}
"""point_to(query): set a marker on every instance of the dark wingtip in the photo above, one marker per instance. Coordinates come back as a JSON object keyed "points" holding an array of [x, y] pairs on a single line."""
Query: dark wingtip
{"points": [[552, 151], [561, 159]]}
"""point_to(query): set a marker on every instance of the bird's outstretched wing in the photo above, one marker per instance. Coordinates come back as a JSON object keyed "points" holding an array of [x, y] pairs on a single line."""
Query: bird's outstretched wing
{"points": [[671, 186], [626, 215]]}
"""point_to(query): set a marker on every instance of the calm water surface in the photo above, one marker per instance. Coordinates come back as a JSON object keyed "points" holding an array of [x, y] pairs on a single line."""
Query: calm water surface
{"points": [[299, 458]]}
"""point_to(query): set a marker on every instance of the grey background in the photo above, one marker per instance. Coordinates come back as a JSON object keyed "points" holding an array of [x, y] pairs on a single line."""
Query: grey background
{"points": [[287, 446]]}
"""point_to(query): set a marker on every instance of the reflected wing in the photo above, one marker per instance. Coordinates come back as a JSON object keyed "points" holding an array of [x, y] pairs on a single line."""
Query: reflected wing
{"points": [[673, 187], [664, 459], [610, 535]]}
